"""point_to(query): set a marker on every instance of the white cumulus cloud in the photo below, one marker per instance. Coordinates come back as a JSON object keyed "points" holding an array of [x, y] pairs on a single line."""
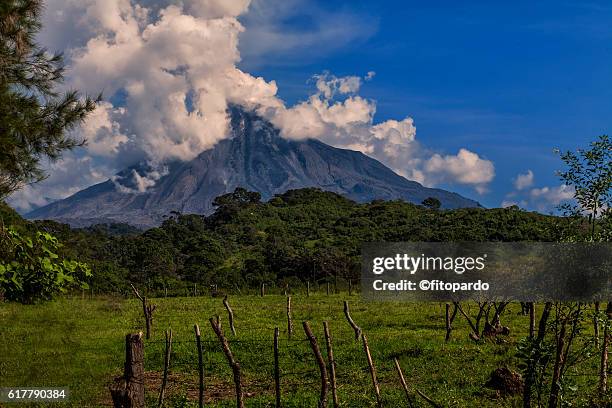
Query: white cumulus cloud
{"points": [[465, 167], [523, 181]]}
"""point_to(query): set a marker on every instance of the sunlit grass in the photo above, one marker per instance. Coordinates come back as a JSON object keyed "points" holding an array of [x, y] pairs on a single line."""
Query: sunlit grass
{"points": [[79, 344]]}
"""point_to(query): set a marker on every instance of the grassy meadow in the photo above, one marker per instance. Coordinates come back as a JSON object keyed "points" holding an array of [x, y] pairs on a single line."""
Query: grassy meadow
{"points": [[79, 344]]}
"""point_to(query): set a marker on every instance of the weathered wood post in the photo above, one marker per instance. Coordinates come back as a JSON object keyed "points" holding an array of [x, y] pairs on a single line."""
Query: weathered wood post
{"points": [[147, 309], [277, 369], [603, 370], [235, 366], [596, 324], [162, 391], [372, 370], [327, 288], [531, 319], [230, 313], [289, 319], [262, 291], [347, 313], [128, 391], [307, 288], [198, 336], [319, 357], [403, 382], [332, 364], [448, 323], [350, 287]]}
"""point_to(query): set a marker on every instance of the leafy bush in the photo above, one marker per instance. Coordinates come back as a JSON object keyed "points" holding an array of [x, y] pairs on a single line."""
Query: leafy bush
{"points": [[31, 269]]}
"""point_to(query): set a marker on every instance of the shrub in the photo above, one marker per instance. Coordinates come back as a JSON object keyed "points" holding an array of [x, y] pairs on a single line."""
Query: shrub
{"points": [[31, 269]]}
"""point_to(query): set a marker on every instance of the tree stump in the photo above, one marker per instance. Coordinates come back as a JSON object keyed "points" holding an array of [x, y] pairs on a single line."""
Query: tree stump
{"points": [[128, 390]]}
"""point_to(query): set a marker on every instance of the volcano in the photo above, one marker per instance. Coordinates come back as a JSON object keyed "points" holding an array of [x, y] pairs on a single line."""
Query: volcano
{"points": [[254, 157]]}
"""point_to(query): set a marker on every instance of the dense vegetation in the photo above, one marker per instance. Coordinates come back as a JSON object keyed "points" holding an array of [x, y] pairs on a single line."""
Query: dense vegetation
{"points": [[301, 235]]}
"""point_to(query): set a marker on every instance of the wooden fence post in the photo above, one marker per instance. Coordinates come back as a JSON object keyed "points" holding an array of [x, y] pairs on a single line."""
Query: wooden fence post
{"points": [[596, 324], [356, 328], [128, 391], [262, 291], [320, 362], [603, 370], [235, 366], [372, 370], [289, 320], [448, 323], [327, 288], [531, 319], [166, 367], [429, 400], [277, 370], [198, 336], [307, 288], [230, 312], [332, 364], [403, 382], [147, 309], [350, 287]]}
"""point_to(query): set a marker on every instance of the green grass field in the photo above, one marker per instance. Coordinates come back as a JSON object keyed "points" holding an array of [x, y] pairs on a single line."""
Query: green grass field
{"points": [[79, 344]]}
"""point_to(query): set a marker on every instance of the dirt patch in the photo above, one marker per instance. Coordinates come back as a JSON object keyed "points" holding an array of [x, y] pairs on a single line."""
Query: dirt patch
{"points": [[214, 389], [505, 382]]}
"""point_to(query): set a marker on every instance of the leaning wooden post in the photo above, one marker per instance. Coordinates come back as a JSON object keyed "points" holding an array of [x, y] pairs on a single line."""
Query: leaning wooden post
{"points": [[448, 322], [162, 391], [603, 369], [332, 363], [372, 370], [531, 319], [277, 369], [198, 336], [147, 309], [289, 320], [218, 320], [356, 328], [429, 400], [403, 382], [320, 362], [128, 391], [235, 366], [231, 315], [596, 324]]}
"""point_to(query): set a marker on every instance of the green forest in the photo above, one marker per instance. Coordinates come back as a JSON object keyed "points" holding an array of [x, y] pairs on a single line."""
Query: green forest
{"points": [[299, 236]]}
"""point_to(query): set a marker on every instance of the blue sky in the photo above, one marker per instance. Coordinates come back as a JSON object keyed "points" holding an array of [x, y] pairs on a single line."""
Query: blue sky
{"points": [[508, 82]]}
